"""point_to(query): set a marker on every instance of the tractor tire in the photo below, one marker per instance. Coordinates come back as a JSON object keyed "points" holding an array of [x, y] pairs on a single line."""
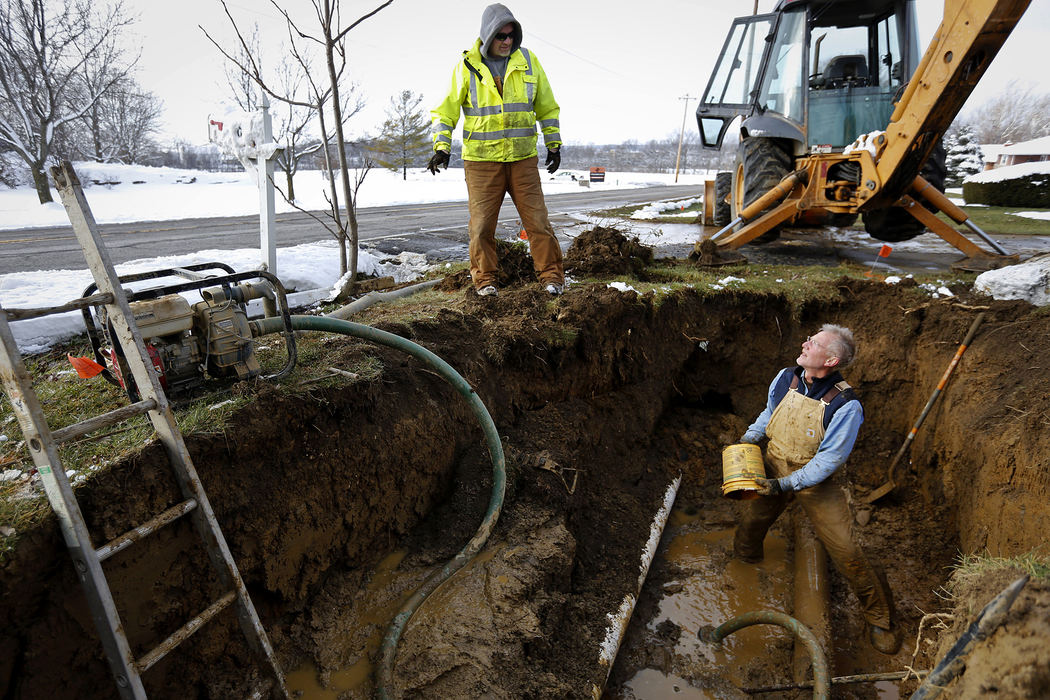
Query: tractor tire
{"points": [[760, 165], [723, 212], [894, 224]]}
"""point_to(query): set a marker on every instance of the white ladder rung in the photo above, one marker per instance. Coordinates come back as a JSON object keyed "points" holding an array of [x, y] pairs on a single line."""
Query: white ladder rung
{"points": [[183, 633], [147, 528], [103, 420]]}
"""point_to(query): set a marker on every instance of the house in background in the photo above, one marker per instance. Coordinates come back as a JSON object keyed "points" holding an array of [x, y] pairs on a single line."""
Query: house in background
{"points": [[990, 154], [1033, 151]]}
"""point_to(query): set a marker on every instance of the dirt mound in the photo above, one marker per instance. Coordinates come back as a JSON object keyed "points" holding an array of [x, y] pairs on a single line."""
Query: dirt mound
{"points": [[604, 250], [515, 269]]}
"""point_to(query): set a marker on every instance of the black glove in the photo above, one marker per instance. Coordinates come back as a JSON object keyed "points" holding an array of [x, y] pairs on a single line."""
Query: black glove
{"points": [[437, 161], [553, 159], [768, 487]]}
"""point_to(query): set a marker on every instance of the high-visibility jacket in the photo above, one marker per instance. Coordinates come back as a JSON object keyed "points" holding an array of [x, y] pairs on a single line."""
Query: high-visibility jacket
{"points": [[498, 128]]}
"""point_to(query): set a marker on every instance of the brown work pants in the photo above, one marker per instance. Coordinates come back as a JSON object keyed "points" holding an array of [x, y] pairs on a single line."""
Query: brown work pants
{"points": [[487, 183], [828, 510]]}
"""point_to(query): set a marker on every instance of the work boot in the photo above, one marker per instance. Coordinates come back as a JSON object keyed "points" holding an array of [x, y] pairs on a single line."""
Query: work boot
{"points": [[886, 641], [487, 291], [554, 289]]}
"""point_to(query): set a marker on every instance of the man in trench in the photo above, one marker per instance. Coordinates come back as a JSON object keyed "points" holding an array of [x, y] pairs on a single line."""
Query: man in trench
{"points": [[503, 91], [811, 418]]}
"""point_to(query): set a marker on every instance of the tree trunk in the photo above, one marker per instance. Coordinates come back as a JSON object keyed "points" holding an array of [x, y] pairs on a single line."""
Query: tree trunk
{"points": [[337, 114], [291, 187], [333, 196], [43, 188], [404, 172], [96, 133]]}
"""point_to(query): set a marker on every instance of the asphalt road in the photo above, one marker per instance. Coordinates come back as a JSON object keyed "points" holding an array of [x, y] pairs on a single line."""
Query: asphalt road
{"points": [[439, 230]]}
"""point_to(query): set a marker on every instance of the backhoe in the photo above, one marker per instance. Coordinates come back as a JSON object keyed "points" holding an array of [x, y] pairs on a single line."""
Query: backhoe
{"points": [[840, 116]]}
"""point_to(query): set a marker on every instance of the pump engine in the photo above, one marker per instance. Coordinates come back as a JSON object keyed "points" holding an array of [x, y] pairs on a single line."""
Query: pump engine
{"points": [[188, 342]]}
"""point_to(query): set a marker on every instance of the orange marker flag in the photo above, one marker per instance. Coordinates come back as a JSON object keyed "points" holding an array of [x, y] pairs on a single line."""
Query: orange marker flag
{"points": [[86, 367], [884, 251], [523, 235]]}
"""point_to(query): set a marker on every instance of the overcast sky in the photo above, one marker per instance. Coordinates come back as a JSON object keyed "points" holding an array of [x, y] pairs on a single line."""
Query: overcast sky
{"points": [[617, 68]]}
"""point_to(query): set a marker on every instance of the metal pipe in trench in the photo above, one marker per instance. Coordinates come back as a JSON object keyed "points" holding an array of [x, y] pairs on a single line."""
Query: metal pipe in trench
{"points": [[499, 475], [371, 298], [618, 620]]}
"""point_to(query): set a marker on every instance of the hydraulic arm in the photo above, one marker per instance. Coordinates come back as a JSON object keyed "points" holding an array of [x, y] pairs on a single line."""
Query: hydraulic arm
{"points": [[882, 169]]}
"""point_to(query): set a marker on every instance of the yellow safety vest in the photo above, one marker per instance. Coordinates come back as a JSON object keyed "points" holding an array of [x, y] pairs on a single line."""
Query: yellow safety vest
{"points": [[498, 128]]}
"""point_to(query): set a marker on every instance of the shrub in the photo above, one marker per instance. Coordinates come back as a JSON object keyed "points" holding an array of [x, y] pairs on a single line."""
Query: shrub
{"points": [[1025, 185]]}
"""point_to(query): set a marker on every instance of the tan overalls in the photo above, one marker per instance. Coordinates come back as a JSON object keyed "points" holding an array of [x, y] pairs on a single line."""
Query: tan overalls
{"points": [[795, 432]]}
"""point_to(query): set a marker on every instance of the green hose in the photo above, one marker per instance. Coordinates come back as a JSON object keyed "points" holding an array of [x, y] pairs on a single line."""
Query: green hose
{"points": [[499, 475], [821, 681]]}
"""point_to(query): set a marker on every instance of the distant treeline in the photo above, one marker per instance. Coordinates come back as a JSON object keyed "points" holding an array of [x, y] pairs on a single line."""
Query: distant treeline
{"points": [[655, 156]]}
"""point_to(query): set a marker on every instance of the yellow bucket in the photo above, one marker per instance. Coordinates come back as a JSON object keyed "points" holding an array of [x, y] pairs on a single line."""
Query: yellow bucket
{"points": [[740, 465]]}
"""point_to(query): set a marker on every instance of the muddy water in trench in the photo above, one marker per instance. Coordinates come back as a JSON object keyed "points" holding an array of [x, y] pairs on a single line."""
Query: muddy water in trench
{"points": [[305, 680], [710, 587]]}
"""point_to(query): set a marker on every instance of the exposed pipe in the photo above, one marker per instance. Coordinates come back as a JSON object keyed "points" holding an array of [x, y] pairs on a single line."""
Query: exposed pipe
{"points": [[841, 680], [618, 620], [821, 681], [954, 662], [367, 300], [811, 593], [499, 476]]}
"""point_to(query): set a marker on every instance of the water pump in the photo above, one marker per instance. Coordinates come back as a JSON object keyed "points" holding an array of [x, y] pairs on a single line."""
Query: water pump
{"points": [[187, 343]]}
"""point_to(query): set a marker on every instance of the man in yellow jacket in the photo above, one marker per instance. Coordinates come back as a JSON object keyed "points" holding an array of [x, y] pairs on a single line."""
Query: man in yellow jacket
{"points": [[502, 90]]}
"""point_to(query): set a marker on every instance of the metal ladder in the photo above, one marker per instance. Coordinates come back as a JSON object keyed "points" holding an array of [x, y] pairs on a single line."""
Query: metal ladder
{"points": [[43, 445]]}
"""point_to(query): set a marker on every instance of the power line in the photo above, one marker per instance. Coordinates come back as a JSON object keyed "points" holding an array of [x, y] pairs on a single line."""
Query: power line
{"points": [[575, 55]]}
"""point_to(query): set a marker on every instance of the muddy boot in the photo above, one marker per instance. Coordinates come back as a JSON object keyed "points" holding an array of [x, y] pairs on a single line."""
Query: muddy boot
{"points": [[885, 641]]}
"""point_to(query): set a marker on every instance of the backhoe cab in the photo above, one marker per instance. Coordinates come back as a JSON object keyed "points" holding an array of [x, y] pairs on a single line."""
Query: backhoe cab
{"points": [[809, 79]]}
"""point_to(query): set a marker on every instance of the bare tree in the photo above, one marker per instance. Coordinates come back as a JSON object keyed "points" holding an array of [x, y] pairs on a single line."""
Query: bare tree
{"points": [[1018, 113], [291, 121], [331, 41], [44, 47], [404, 137], [123, 123]]}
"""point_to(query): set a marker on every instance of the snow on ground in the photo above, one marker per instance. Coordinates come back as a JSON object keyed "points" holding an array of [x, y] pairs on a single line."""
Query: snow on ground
{"points": [[160, 194], [668, 209], [140, 193], [1044, 215]]}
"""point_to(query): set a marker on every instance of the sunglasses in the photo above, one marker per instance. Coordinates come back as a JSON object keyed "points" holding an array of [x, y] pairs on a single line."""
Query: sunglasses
{"points": [[503, 36]]}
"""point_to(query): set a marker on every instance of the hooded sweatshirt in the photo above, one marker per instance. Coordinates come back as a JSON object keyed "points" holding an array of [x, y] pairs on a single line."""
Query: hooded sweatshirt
{"points": [[492, 20], [502, 100]]}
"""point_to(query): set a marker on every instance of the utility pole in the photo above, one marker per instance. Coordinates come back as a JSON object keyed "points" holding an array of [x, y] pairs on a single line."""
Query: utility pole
{"points": [[681, 134]]}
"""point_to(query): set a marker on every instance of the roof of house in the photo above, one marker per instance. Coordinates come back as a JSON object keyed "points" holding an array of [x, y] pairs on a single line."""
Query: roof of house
{"points": [[990, 151], [1035, 147]]}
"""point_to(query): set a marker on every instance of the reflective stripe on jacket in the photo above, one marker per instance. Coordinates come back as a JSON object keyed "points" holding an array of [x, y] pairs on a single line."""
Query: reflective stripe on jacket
{"points": [[498, 128]]}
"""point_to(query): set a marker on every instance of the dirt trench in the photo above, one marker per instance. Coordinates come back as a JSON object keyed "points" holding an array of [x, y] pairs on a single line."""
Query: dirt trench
{"points": [[336, 504]]}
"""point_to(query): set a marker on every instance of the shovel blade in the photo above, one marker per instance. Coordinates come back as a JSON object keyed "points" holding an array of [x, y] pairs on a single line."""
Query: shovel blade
{"points": [[880, 492]]}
